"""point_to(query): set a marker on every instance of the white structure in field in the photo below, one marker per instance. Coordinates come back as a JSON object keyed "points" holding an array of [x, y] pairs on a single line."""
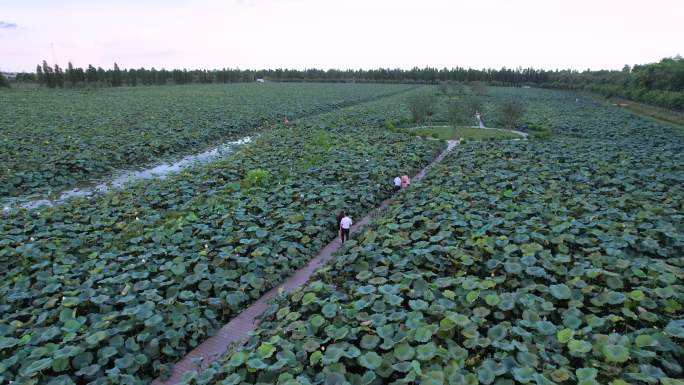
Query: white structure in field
{"points": [[9, 75], [260, 80]]}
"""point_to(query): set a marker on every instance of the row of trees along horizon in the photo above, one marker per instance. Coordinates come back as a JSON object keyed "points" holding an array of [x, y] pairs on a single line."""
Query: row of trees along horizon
{"points": [[660, 83]]}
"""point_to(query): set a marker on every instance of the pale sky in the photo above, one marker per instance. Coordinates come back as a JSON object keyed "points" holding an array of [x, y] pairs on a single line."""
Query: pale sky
{"points": [[256, 34]]}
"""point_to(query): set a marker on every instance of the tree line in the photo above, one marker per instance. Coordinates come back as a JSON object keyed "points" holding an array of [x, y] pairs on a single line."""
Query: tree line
{"points": [[660, 84]]}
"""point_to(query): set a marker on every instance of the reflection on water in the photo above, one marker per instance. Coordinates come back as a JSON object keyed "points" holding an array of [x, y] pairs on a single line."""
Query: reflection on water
{"points": [[124, 177]]}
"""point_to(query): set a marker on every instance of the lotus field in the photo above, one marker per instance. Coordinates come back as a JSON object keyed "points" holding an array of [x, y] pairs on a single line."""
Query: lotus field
{"points": [[536, 261], [52, 140]]}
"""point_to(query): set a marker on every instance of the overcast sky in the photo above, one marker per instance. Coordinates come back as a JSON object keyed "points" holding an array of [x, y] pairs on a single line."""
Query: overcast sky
{"points": [[579, 34]]}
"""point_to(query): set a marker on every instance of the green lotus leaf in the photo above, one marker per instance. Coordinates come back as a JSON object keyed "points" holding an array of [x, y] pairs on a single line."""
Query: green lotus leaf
{"points": [[329, 310], [472, 296], [584, 374], [560, 375], [637, 295], [315, 358], [497, 333], [386, 331], [60, 364], [579, 347], [336, 333], [8, 342], [265, 350], [561, 291], [513, 267], [309, 298], [423, 334], [36, 366], [426, 352], [317, 321], [155, 320], [523, 375], [96, 338], [233, 379], [82, 360], [418, 304], [485, 375], [124, 362], [370, 360], [615, 298], [671, 381], [545, 327], [565, 335], [256, 363], [403, 352], [492, 299], [368, 289], [364, 275], [334, 378], [572, 322], [644, 340], [675, 328], [238, 358], [446, 324], [369, 341], [88, 371], [616, 353], [332, 354], [71, 351]]}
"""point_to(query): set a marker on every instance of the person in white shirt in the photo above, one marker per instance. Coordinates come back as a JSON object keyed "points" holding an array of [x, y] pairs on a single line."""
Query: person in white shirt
{"points": [[345, 225], [397, 183]]}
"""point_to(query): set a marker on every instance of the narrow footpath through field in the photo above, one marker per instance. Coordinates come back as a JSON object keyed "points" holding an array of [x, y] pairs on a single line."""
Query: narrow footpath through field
{"points": [[237, 330], [481, 124]]}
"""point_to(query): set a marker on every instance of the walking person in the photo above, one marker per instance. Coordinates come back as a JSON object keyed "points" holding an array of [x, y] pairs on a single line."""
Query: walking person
{"points": [[397, 183], [345, 226], [341, 215]]}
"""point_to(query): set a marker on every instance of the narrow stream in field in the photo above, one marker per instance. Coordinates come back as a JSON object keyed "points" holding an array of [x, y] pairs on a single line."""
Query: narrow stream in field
{"points": [[121, 178]]}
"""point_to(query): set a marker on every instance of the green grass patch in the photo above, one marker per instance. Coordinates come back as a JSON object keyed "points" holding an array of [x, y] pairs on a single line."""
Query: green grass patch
{"points": [[468, 133]]}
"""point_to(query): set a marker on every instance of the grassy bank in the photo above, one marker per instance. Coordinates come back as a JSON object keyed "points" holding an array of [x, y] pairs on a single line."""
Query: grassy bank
{"points": [[468, 133]]}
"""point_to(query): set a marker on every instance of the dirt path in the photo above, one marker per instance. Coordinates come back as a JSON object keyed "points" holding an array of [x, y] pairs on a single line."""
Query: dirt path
{"points": [[237, 330], [481, 125]]}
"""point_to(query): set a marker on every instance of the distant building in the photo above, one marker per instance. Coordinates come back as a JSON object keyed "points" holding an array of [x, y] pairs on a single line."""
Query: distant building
{"points": [[9, 75], [260, 80]]}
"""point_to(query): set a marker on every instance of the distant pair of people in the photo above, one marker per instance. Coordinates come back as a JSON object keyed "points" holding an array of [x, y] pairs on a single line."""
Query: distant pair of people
{"points": [[401, 182], [344, 223]]}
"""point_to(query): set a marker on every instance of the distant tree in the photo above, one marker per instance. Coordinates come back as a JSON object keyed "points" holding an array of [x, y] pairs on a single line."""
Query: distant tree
{"points": [[472, 105], [101, 75], [421, 107], [72, 76], [133, 77], [91, 74], [49, 75], [40, 78], [116, 76], [4, 83], [511, 113], [59, 76], [457, 113]]}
